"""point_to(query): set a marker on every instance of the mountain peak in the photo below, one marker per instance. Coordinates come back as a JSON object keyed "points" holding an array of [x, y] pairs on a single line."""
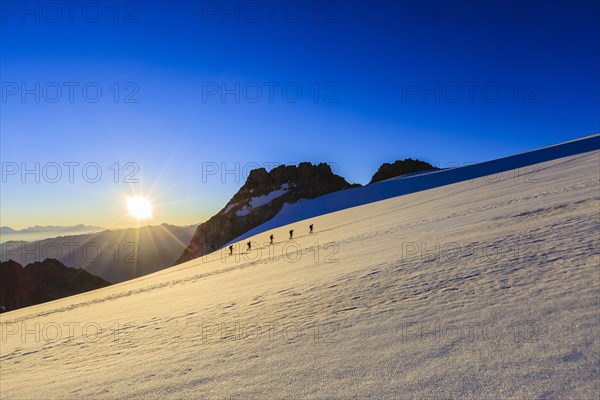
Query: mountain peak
{"points": [[399, 168], [40, 282], [260, 198]]}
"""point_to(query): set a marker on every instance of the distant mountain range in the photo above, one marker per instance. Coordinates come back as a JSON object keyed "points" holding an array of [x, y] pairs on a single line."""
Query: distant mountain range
{"points": [[42, 232], [51, 228], [114, 255]]}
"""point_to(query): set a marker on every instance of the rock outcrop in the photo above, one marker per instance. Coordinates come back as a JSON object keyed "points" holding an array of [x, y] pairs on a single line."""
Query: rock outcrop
{"points": [[40, 282], [260, 199], [399, 168]]}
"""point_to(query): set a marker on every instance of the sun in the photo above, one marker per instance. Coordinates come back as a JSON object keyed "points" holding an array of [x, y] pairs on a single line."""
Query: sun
{"points": [[139, 207]]}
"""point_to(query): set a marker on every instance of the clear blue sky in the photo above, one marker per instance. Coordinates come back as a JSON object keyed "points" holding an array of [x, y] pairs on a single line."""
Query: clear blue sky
{"points": [[446, 82]]}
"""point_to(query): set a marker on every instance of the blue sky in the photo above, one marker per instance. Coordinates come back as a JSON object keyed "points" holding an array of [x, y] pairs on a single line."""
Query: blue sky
{"points": [[353, 83]]}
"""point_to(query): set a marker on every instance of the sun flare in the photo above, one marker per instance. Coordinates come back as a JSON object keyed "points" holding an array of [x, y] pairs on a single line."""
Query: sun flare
{"points": [[139, 207]]}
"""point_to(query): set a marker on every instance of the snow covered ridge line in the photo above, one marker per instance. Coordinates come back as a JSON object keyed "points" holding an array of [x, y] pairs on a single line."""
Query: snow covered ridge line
{"points": [[494, 171]]}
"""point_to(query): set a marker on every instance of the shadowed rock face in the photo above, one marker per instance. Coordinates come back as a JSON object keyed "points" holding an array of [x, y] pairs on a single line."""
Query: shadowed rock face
{"points": [[399, 168], [40, 282], [260, 199]]}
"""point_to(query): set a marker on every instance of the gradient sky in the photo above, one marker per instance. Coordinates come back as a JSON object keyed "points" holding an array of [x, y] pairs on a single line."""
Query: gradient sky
{"points": [[447, 82]]}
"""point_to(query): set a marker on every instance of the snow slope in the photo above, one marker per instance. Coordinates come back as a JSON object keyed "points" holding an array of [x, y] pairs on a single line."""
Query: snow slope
{"points": [[260, 201], [517, 165], [481, 289]]}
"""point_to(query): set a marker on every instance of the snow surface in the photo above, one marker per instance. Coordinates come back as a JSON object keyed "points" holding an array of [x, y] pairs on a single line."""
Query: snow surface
{"points": [[515, 165], [262, 200], [481, 289], [267, 198], [242, 212], [229, 207]]}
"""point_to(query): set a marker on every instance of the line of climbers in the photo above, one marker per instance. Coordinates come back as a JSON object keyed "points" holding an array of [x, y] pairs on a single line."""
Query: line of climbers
{"points": [[272, 237]]}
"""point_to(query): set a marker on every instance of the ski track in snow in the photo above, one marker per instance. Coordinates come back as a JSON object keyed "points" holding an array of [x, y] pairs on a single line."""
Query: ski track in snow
{"points": [[511, 310]]}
